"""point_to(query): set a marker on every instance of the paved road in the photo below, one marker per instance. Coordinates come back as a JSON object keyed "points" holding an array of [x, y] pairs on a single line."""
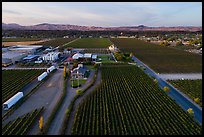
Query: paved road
{"points": [[181, 99], [191, 76], [77, 102], [71, 93], [47, 96]]}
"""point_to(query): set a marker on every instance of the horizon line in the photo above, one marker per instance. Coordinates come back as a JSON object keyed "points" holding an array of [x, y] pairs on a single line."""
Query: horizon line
{"points": [[104, 27]]}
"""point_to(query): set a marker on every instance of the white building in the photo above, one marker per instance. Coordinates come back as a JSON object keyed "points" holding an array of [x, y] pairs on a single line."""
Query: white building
{"points": [[77, 56], [12, 101], [51, 56], [13, 56], [113, 48], [26, 48], [87, 55]]}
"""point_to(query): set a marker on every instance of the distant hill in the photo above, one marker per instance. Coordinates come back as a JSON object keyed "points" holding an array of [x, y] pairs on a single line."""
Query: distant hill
{"points": [[47, 26]]}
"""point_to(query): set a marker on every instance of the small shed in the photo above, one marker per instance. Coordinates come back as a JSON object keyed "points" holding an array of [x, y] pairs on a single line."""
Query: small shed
{"points": [[94, 57]]}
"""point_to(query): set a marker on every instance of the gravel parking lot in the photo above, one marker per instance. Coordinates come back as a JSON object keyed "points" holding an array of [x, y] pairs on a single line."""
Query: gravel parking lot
{"points": [[47, 96]]}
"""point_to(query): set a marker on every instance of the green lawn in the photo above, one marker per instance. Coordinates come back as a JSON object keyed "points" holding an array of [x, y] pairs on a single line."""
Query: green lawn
{"points": [[105, 59], [90, 43], [161, 59], [75, 82]]}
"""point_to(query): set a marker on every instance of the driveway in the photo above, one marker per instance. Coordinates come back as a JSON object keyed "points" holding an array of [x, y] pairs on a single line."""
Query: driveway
{"points": [[71, 93], [71, 119]]}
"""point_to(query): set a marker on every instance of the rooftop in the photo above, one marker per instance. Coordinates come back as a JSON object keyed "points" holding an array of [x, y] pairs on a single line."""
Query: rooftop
{"points": [[77, 56], [11, 54], [30, 57], [94, 56], [4, 60], [87, 55]]}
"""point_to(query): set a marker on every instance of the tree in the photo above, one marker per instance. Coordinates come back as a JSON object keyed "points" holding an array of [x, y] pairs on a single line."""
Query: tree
{"points": [[41, 123], [65, 71], [131, 54], [190, 111], [166, 89], [118, 56], [155, 81], [179, 43], [197, 100], [165, 43], [79, 91]]}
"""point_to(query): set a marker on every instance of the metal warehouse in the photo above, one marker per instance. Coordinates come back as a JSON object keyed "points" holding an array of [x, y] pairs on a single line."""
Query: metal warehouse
{"points": [[13, 56], [26, 48]]}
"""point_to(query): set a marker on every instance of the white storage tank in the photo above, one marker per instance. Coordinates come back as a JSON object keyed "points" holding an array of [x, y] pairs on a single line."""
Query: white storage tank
{"points": [[42, 76], [9, 103], [50, 69]]}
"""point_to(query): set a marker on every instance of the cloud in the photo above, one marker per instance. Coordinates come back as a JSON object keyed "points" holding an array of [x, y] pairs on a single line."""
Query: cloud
{"points": [[102, 13], [11, 12]]}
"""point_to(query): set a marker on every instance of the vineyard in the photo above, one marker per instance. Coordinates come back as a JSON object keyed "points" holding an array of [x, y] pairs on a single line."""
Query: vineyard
{"points": [[14, 80], [98, 51], [90, 43], [192, 88], [128, 102], [21, 125], [55, 42], [161, 59]]}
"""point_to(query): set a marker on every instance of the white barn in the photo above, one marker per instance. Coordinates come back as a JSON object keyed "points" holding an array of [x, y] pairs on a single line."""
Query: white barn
{"points": [[52, 56]]}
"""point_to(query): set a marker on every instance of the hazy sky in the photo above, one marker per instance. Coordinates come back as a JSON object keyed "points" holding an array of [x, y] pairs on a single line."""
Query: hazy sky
{"points": [[104, 14]]}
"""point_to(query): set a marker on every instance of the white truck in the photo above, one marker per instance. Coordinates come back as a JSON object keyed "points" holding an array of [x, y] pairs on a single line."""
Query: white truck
{"points": [[42, 76], [50, 69], [9, 103]]}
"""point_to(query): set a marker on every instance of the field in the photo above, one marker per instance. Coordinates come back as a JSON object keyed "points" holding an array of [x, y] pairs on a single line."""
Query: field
{"points": [[55, 42], [97, 50], [128, 102], [161, 59], [106, 59], [90, 43], [19, 39], [14, 80], [192, 88], [21, 43], [21, 125]]}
